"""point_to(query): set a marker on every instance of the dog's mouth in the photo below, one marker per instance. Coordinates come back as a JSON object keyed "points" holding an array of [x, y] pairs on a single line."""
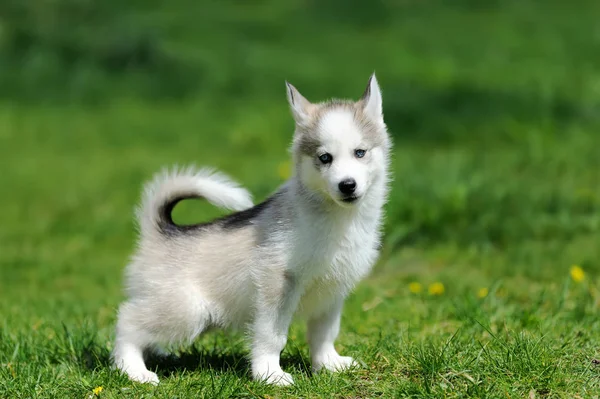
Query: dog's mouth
{"points": [[350, 199]]}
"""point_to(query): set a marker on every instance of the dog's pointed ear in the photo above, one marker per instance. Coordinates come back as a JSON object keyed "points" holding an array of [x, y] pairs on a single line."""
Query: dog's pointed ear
{"points": [[371, 100], [299, 105]]}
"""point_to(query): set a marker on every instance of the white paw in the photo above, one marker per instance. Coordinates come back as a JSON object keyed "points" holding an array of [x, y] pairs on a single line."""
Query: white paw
{"points": [[334, 363], [282, 380], [143, 376], [278, 377]]}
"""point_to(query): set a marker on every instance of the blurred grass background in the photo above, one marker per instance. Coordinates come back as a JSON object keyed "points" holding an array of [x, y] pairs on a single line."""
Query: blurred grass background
{"points": [[492, 105]]}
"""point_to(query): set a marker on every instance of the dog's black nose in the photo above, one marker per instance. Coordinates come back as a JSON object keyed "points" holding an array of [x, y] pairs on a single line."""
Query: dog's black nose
{"points": [[347, 186]]}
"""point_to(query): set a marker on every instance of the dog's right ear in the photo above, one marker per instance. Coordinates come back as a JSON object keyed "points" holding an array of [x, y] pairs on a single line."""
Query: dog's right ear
{"points": [[300, 106]]}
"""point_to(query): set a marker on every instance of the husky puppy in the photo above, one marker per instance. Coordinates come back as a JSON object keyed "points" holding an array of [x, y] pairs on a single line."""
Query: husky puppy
{"points": [[300, 252]]}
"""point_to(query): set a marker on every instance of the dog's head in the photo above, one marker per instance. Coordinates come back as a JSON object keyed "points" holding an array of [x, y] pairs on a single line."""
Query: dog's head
{"points": [[340, 147]]}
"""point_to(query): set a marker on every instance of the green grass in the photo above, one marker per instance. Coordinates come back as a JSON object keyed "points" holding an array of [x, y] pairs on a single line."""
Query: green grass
{"points": [[493, 110]]}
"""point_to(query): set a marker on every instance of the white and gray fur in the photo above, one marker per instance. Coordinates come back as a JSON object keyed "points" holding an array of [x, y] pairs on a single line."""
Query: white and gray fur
{"points": [[300, 252]]}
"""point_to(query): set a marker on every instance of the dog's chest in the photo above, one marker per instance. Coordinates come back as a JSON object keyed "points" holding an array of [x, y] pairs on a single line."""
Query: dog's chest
{"points": [[338, 253], [331, 262]]}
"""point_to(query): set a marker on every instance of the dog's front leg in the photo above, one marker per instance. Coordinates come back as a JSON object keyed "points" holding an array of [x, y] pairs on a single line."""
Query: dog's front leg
{"points": [[270, 328], [323, 329]]}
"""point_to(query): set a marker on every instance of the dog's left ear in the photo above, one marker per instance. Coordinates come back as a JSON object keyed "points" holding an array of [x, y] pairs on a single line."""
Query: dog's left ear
{"points": [[371, 99]]}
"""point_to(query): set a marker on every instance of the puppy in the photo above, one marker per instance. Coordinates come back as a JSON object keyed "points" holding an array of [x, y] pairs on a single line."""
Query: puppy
{"points": [[300, 252]]}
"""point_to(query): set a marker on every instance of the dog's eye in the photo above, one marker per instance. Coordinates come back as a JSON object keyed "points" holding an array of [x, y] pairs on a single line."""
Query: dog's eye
{"points": [[326, 158], [360, 153]]}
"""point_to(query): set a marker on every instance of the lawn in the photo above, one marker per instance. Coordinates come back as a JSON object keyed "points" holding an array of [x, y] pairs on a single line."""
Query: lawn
{"points": [[488, 282]]}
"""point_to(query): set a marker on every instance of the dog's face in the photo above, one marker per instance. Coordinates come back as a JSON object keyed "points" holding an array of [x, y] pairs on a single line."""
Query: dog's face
{"points": [[340, 146]]}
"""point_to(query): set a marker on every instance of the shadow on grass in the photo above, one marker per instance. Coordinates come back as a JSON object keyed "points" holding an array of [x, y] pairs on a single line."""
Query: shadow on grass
{"points": [[214, 359], [198, 360]]}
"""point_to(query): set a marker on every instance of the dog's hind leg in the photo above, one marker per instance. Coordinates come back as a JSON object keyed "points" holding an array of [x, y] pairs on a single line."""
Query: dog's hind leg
{"points": [[131, 341], [148, 324]]}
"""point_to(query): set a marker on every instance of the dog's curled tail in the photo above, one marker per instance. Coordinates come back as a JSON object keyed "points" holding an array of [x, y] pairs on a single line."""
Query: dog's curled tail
{"points": [[172, 186]]}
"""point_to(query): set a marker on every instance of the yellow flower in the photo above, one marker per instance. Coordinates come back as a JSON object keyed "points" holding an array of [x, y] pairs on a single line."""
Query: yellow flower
{"points": [[482, 292], [97, 391], [577, 273], [11, 369], [284, 170], [415, 287], [436, 289]]}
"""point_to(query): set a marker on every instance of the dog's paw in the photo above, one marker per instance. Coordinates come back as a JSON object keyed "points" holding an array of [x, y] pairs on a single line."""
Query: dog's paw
{"points": [[283, 379], [335, 363], [279, 378], [143, 376]]}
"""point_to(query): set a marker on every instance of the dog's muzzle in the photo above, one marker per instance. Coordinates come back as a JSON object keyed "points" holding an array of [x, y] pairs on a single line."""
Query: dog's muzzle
{"points": [[350, 199]]}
